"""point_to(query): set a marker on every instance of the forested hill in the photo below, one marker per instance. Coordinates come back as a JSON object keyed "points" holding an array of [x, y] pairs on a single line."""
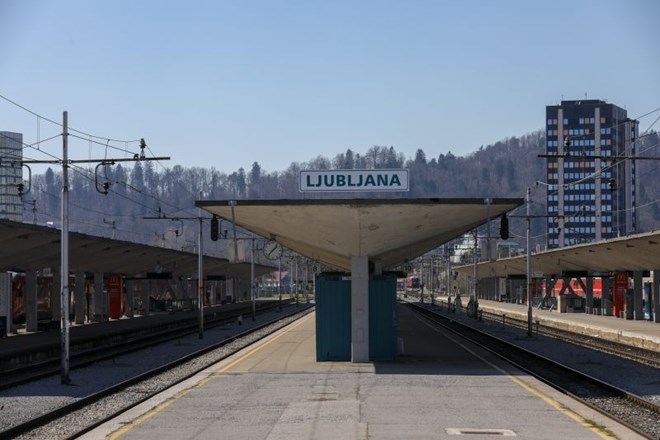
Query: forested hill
{"points": [[504, 169]]}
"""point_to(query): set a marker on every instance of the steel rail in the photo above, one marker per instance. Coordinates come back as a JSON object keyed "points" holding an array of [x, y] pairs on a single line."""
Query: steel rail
{"points": [[80, 358], [637, 354]]}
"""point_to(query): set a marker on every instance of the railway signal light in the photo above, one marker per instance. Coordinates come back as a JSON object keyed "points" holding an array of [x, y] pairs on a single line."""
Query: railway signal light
{"points": [[504, 227], [215, 228]]}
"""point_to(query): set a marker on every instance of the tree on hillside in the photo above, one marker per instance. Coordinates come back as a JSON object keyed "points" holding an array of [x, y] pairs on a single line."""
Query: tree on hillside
{"points": [[503, 169], [319, 163], [420, 157], [254, 184], [344, 161]]}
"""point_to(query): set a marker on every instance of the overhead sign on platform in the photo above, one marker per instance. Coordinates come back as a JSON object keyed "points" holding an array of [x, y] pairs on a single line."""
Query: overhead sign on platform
{"points": [[353, 180]]}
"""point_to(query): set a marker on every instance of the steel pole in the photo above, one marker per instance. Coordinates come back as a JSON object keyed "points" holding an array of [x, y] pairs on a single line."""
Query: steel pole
{"points": [[296, 263], [279, 281], [200, 276], [254, 304], [529, 265], [474, 268], [64, 264]]}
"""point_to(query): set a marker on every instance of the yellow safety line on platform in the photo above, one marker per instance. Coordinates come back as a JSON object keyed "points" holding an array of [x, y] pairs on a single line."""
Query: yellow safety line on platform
{"points": [[160, 407], [548, 399]]}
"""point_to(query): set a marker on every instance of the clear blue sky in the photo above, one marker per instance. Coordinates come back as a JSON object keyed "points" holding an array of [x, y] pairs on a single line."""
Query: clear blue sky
{"points": [[225, 83]]}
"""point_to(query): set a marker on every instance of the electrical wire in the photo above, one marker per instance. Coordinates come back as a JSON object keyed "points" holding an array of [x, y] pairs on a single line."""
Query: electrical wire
{"points": [[59, 124], [106, 144], [32, 145]]}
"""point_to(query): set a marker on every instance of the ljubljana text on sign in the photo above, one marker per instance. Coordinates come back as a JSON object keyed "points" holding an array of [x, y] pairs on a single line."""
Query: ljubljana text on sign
{"points": [[354, 180]]}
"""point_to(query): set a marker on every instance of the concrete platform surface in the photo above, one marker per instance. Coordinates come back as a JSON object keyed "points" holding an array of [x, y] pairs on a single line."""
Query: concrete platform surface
{"points": [[440, 388], [640, 333]]}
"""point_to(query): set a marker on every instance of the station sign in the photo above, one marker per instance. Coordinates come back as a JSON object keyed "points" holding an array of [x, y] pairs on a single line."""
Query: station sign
{"points": [[354, 180]]}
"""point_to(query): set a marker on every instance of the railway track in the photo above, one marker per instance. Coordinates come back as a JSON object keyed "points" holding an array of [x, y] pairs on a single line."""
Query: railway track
{"points": [[638, 414], [637, 354], [90, 353], [87, 412]]}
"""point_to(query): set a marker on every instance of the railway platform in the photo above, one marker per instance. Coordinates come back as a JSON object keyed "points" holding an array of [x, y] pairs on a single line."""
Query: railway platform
{"points": [[25, 348], [643, 334], [438, 388]]}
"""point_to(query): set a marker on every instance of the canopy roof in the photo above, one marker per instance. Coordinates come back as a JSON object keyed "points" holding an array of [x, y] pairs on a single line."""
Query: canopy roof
{"points": [[635, 252], [388, 231], [31, 247]]}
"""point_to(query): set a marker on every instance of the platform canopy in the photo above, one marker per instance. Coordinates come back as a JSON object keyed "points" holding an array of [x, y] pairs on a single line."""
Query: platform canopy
{"points": [[389, 231], [32, 247], [631, 253]]}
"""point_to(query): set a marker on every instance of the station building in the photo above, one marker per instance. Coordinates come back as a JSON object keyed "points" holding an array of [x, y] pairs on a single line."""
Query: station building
{"points": [[11, 172]]}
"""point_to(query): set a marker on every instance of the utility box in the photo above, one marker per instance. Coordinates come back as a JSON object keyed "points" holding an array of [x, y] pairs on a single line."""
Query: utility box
{"points": [[382, 318], [333, 318]]}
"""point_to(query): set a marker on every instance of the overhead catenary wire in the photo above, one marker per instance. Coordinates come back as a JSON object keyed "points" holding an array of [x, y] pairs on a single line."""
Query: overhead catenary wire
{"points": [[60, 124], [89, 139], [144, 236]]}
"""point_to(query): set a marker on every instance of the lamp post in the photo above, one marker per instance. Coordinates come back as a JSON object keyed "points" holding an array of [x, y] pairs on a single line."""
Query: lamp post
{"points": [[200, 276], [279, 281], [64, 267], [474, 269], [529, 265], [252, 296]]}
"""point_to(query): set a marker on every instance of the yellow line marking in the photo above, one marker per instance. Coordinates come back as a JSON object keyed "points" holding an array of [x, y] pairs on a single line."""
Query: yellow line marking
{"points": [[160, 407], [548, 399]]}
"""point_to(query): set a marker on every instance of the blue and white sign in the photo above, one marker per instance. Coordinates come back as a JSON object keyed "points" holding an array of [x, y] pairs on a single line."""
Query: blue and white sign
{"points": [[353, 180]]}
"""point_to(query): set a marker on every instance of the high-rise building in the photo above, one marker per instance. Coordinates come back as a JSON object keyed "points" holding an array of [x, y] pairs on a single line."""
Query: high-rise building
{"points": [[592, 187], [11, 175]]}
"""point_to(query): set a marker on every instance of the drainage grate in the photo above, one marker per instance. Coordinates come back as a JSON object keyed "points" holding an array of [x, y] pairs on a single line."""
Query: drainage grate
{"points": [[321, 397], [479, 431]]}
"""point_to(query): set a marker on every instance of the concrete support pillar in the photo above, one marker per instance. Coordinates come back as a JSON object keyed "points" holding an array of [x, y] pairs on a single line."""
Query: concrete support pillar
{"points": [[359, 309], [100, 305], [30, 298], [549, 285], [5, 302], [147, 288], [130, 298], [79, 296], [56, 295], [494, 289], [230, 292], [212, 288], [655, 305], [178, 286], [176, 290], [638, 295], [589, 293], [606, 296]]}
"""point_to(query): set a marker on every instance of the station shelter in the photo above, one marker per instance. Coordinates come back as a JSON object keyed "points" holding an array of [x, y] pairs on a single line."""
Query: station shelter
{"points": [[615, 277], [110, 278], [361, 240]]}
